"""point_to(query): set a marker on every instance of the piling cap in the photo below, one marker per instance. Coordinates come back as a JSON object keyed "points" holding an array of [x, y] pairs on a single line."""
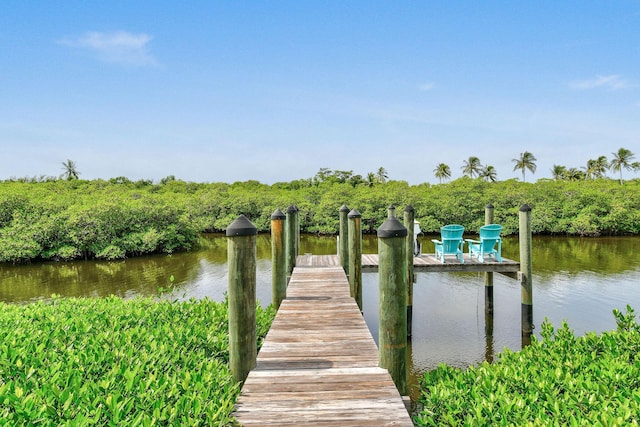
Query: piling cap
{"points": [[490, 206], [391, 211], [525, 208], [409, 208], [277, 214], [241, 227], [344, 208], [292, 209], [392, 228], [354, 214]]}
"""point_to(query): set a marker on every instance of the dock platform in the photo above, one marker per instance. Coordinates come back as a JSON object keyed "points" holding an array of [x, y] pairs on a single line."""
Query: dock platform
{"points": [[318, 365], [423, 262]]}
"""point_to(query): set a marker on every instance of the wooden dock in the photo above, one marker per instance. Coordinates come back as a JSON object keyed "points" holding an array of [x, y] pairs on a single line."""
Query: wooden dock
{"points": [[424, 262], [319, 363]]}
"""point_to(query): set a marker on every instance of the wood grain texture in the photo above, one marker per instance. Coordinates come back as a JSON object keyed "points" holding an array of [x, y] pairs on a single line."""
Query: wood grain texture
{"points": [[423, 263], [319, 363]]}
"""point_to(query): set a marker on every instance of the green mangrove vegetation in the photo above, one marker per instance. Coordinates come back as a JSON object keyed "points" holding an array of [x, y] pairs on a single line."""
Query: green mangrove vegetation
{"points": [[559, 380], [109, 361], [118, 218]]}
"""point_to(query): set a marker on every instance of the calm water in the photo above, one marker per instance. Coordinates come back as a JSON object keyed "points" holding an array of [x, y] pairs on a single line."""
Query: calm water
{"points": [[575, 279]]}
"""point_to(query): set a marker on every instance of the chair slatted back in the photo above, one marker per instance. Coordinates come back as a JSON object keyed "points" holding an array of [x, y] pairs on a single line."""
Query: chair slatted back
{"points": [[451, 236], [490, 234]]}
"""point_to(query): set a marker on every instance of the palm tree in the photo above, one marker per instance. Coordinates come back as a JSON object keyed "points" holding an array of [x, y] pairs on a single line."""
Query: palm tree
{"points": [[489, 173], [589, 170], [472, 167], [442, 172], [601, 166], [574, 174], [70, 170], [596, 168], [558, 172], [526, 161], [622, 160], [382, 175], [371, 179]]}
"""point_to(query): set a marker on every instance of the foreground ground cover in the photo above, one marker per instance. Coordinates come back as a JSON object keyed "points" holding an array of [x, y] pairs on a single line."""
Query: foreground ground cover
{"points": [[117, 362], [560, 380]]}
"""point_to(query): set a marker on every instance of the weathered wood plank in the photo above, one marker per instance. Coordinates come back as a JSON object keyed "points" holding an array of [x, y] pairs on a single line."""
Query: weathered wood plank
{"points": [[423, 263], [319, 364]]}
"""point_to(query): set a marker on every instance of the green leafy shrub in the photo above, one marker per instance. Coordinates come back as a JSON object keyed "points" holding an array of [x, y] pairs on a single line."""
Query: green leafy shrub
{"points": [[560, 380], [119, 218], [117, 362]]}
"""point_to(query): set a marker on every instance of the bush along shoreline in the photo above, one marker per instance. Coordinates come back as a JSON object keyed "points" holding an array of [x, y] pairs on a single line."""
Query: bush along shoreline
{"points": [[115, 219], [108, 361], [559, 380]]}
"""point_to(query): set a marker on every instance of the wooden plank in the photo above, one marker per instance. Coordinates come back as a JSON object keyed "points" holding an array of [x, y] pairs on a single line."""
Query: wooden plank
{"points": [[319, 363], [424, 263]]}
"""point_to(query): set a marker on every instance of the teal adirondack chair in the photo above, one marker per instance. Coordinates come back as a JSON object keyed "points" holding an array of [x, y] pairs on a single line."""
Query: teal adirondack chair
{"points": [[451, 242], [488, 245]]}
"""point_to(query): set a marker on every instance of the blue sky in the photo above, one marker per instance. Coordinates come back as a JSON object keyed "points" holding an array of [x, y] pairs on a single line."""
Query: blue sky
{"points": [[231, 90]]}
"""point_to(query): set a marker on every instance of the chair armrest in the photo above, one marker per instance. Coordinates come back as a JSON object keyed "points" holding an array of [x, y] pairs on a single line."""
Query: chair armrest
{"points": [[472, 241], [436, 241]]}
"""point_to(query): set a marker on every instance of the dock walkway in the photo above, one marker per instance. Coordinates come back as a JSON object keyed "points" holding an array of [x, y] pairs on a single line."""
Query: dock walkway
{"points": [[319, 363], [421, 263]]}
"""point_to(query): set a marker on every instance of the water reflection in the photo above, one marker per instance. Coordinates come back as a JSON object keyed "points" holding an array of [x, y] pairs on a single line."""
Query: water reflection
{"points": [[575, 279]]}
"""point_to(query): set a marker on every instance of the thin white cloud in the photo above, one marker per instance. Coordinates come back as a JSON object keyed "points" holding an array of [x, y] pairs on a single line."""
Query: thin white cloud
{"points": [[118, 47], [610, 82], [426, 86]]}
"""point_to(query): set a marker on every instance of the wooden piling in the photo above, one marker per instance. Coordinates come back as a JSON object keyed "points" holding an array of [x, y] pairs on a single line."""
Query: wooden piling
{"points": [[296, 215], [526, 270], [392, 336], [409, 219], [241, 260], [290, 236], [278, 259], [488, 276], [355, 255], [343, 248]]}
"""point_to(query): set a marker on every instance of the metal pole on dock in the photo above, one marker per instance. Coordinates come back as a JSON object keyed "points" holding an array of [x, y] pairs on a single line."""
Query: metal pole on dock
{"points": [[392, 336], [526, 270], [343, 248], [488, 276], [355, 256], [409, 219], [241, 259], [290, 236], [278, 259]]}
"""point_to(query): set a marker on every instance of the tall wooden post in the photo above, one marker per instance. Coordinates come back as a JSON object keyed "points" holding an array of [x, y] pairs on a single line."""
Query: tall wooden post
{"points": [[526, 270], [296, 215], [488, 276], [290, 236], [392, 330], [241, 259], [488, 296], [355, 255], [278, 259], [343, 249], [409, 218]]}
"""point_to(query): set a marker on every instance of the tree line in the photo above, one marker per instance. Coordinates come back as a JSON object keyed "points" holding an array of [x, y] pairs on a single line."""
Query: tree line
{"points": [[118, 218], [623, 159]]}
